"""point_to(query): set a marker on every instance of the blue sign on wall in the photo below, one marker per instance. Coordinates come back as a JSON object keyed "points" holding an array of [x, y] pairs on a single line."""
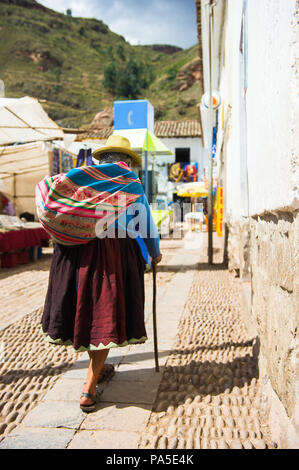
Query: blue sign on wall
{"points": [[133, 114], [214, 148]]}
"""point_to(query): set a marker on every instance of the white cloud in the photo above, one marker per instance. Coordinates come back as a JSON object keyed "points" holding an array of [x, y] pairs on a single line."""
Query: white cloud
{"points": [[139, 21]]}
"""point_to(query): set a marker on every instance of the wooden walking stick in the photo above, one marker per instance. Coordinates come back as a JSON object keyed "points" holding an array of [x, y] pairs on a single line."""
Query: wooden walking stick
{"points": [[154, 317]]}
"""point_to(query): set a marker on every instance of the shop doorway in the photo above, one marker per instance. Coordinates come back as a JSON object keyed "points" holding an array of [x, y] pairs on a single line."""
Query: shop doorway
{"points": [[182, 155]]}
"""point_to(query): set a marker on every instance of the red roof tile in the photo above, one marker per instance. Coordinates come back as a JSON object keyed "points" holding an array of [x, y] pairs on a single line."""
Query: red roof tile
{"points": [[177, 128], [166, 129]]}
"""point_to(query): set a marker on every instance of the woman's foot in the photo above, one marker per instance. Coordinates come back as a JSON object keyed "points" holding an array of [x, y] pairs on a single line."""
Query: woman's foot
{"points": [[88, 400], [89, 393], [107, 372], [91, 404]]}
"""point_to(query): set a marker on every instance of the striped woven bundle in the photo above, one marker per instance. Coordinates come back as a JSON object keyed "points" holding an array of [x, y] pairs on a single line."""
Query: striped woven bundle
{"points": [[76, 207]]}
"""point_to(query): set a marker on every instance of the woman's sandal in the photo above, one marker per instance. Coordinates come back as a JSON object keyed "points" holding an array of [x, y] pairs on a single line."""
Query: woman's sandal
{"points": [[107, 373], [92, 406]]}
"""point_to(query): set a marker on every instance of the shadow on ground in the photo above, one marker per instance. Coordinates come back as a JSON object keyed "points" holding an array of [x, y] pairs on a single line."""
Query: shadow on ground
{"points": [[192, 267], [15, 375], [192, 382], [180, 384]]}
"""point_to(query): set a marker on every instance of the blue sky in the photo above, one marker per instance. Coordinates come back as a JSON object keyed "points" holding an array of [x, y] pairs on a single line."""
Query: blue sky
{"points": [[139, 21]]}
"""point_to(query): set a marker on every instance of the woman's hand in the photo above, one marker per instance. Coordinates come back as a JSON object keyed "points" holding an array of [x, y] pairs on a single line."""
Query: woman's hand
{"points": [[157, 260]]}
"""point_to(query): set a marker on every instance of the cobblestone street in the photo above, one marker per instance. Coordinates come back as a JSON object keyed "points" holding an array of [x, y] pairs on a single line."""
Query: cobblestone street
{"points": [[26, 285], [210, 395], [206, 395]]}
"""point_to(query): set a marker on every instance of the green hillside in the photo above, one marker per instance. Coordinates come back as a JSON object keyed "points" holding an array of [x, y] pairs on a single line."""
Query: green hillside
{"points": [[63, 60]]}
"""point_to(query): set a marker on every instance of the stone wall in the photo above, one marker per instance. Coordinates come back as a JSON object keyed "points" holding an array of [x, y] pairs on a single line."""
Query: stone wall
{"points": [[238, 245], [274, 264], [238, 263], [270, 311]]}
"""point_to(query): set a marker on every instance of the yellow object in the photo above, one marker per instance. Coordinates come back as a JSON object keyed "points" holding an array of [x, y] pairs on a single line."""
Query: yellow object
{"points": [[219, 219], [202, 193], [118, 143], [176, 172], [214, 222], [192, 191], [159, 215]]}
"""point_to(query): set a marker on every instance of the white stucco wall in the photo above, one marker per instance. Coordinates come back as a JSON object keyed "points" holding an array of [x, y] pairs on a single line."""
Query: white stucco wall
{"points": [[231, 89], [267, 123], [271, 103]]}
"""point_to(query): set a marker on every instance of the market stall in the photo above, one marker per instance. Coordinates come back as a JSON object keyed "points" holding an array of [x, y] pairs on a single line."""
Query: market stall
{"points": [[196, 195], [26, 133], [20, 241], [21, 168]]}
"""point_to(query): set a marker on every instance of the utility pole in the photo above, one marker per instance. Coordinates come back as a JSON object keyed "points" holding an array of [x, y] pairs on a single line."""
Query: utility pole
{"points": [[211, 115]]}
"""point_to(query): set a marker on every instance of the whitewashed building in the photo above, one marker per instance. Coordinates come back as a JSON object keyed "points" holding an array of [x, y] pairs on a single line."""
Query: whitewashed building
{"points": [[255, 67]]}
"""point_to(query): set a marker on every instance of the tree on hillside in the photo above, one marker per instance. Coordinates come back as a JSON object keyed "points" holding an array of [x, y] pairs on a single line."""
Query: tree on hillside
{"points": [[109, 52], [128, 80], [110, 77], [121, 52]]}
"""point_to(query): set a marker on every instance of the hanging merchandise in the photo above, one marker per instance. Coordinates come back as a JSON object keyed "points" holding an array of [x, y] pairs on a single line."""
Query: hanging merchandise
{"points": [[84, 155], [56, 162], [62, 161], [66, 161]]}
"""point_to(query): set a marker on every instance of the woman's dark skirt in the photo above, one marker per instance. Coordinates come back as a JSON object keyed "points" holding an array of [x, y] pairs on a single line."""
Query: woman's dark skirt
{"points": [[95, 297]]}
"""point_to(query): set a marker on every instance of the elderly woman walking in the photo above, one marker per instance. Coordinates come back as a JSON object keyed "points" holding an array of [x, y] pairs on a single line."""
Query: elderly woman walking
{"points": [[102, 225]]}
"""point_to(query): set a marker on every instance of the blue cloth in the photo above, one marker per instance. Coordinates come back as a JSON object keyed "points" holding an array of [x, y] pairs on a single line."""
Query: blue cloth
{"points": [[84, 153]]}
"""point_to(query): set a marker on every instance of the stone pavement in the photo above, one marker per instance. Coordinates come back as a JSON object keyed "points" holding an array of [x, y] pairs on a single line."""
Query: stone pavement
{"points": [[209, 396], [26, 285], [206, 394]]}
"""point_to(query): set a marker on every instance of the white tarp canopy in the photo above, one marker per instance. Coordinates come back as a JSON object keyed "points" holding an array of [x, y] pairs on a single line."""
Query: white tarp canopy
{"points": [[24, 120], [74, 147], [21, 168]]}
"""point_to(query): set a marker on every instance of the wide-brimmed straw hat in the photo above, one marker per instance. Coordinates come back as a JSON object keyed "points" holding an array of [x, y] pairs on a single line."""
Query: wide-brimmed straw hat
{"points": [[120, 144]]}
